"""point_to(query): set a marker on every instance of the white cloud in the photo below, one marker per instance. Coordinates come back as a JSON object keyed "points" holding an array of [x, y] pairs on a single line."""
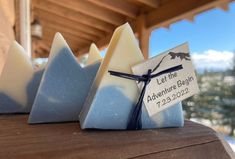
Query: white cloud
{"points": [[212, 60]]}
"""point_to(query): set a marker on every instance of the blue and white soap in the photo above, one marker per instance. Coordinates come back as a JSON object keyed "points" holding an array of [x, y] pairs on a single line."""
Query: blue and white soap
{"points": [[112, 99], [19, 82], [64, 86]]}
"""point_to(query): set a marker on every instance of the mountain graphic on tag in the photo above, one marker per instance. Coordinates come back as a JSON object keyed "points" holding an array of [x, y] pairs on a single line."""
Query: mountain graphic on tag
{"points": [[18, 81], [181, 55], [112, 99], [64, 86]]}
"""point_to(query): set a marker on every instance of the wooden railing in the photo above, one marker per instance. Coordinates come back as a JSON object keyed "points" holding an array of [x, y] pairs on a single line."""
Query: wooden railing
{"points": [[67, 140]]}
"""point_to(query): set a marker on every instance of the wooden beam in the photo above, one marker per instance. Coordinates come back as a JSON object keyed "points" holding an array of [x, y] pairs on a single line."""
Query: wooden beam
{"points": [[224, 6], [67, 23], [143, 35], [72, 15], [51, 32], [102, 43], [17, 20], [150, 3], [49, 39], [122, 7], [58, 28], [190, 18], [40, 49], [92, 10], [177, 10], [24, 25], [73, 45]]}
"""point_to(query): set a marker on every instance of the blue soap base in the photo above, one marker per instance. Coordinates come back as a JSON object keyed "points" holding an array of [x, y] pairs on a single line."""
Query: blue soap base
{"points": [[63, 91], [10, 106], [115, 113]]}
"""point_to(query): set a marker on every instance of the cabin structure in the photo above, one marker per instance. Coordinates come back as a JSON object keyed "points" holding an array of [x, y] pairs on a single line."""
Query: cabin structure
{"points": [[82, 22], [33, 23]]}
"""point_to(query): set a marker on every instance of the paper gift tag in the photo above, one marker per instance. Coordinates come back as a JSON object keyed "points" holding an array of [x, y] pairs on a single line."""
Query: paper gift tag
{"points": [[167, 89]]}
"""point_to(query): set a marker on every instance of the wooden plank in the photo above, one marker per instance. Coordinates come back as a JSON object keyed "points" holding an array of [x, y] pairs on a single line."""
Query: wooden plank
{"points": [[47, 16], [177, 10], [72, 15], [40, 48], [58, 28], [102, 43], [17, 20], [92, 10], [81, 42], [67, 140], [143, 35], [122, 7], [49, 33], [43, 47], [150, 3], [73, 45], [223, 6]]}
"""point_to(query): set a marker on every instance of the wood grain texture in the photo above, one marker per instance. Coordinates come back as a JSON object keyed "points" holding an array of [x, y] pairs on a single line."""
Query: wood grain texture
{"points": [[66, 140], [99, 18], [6, 35]]}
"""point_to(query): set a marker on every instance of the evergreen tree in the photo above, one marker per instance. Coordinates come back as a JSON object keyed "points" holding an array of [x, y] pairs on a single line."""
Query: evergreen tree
{"points": [[227, 106], [227, 102], [216, 100]]}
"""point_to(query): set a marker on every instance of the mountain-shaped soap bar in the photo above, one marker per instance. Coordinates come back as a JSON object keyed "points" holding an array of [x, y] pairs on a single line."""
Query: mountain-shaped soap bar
{"points": [[18, 82], [112, 99], [94, 55], [64, 86]]}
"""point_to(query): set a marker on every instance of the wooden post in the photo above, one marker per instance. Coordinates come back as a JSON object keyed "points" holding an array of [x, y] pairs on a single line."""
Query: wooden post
{"points": [[143, 34], [23, 30]]}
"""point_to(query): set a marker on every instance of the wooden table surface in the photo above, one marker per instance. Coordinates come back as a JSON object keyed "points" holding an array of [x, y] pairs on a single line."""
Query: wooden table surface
{"points": [[66, 140]]}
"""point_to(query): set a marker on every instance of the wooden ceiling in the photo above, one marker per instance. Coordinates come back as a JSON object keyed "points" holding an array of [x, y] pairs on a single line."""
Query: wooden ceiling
{"points": [[82, 22]]}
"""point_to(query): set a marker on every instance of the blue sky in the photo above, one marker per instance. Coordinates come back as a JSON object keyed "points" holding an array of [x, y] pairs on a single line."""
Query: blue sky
{"points": [[214, 29]]}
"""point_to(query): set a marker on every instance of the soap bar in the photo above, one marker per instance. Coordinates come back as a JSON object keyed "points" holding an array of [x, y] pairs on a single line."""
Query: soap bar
{"points": [[94, 55], [18, 82], [112, 99], [64, 86]]}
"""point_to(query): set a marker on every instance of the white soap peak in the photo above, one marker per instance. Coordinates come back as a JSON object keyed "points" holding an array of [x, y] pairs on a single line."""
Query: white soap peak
{"points": [[123, 52], [17, 72], [58, 43], [94, 55], [17, 51]]}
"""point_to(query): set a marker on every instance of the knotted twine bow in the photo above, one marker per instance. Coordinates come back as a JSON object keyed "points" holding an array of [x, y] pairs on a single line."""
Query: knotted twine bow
{"points": [[135, 118]]}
